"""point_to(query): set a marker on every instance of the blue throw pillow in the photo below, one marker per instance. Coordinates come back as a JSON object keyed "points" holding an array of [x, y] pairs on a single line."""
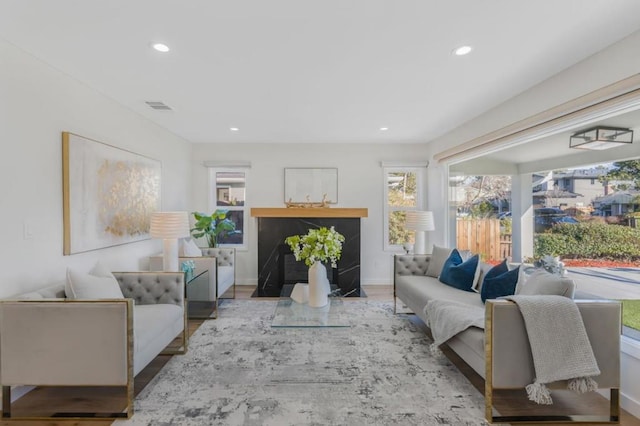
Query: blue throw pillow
{"points": [[459, 274], [499, 282]]}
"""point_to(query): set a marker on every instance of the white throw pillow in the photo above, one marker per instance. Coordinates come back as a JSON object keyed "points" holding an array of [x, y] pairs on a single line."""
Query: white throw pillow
{"points": [[439, 255], [190, 249], [542, 282], [99, 283]]}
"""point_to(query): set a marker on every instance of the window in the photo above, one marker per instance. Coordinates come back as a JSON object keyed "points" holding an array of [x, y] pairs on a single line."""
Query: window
{"points": [[594, 229], [402, 192], [480, 214], [228, 193]]}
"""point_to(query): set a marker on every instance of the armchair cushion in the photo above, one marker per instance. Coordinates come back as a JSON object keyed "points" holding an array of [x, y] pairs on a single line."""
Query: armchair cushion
{"points": [[99, 283]]}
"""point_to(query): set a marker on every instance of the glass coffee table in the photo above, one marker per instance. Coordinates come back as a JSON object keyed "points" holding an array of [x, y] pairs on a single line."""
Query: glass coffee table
{"points": [[290, 314]]}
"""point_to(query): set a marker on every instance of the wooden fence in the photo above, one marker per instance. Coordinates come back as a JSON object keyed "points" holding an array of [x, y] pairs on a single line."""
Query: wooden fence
{"points": [[482, 236]]}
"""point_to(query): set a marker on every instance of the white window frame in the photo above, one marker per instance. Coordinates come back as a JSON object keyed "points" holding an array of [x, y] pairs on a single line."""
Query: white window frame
{"points": [[420, 199], [213, 201]]}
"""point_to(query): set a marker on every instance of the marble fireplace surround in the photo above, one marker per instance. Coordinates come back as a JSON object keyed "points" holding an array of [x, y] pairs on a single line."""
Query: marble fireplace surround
{"points": [[275, 224]]}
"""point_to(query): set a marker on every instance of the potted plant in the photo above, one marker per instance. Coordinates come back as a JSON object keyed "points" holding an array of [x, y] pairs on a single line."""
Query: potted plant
{"points": [[314, 248], [212, 226]]}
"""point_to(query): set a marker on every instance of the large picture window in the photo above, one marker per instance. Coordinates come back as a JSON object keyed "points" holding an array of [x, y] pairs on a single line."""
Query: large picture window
{"points": [[402, 192]]}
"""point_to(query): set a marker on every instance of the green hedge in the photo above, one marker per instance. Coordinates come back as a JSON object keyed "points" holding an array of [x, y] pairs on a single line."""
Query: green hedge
{"points": [[589, 241]]}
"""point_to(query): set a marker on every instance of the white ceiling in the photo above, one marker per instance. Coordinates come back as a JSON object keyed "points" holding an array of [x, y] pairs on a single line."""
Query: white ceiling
{"points": [[314, 70]]}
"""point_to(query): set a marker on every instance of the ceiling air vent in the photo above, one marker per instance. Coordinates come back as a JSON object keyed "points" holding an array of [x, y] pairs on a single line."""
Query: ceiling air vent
{"points": [[159, 106]]}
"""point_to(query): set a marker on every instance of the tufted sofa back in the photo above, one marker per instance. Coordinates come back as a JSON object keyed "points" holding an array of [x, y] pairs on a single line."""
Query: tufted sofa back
{"points": [[225, 256], [148, 288], [416, 264]]}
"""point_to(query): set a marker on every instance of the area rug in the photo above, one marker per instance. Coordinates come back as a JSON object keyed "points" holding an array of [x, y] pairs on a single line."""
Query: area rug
{"points": [[240, 371]]}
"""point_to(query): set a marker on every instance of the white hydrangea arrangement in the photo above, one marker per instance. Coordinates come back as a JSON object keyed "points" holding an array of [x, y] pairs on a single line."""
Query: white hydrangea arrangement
{"points": [[323, 244]]}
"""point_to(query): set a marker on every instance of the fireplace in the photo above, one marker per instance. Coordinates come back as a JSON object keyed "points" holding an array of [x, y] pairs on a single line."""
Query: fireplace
{"points": [[277, 265]]}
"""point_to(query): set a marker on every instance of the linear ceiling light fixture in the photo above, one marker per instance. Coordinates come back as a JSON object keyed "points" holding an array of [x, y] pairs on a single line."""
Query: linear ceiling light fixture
{"points": [[601, 137]]}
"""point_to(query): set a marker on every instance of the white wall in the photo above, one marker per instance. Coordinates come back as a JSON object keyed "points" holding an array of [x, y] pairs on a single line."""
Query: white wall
{"points": [[37, 103], [360, 184]]}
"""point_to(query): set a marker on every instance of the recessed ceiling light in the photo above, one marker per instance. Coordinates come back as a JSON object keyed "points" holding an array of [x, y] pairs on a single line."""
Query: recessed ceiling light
{"points": [[160, 47], [234, 129], [462, 50], [384, 129]]}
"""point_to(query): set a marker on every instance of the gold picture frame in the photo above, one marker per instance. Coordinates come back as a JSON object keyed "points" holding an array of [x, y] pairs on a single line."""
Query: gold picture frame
{"points": [[108, 194]]}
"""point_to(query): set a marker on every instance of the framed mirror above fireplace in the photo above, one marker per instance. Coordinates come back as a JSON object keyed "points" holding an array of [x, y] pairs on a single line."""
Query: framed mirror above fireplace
{"points": [[310, 185]]}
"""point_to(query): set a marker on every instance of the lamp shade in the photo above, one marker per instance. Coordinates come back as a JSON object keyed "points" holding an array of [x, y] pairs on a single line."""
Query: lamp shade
{"points": [[420, 221], [169, 225]]}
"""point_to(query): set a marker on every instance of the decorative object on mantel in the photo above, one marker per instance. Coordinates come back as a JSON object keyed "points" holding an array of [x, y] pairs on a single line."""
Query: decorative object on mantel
{"points": [[308, 185], [420, 221], [322, 204], [317, 246], [212, 226]]}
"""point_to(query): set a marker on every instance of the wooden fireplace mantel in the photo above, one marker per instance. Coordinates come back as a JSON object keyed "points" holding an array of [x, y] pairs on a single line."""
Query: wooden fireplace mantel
{"points": [[309, 212]]}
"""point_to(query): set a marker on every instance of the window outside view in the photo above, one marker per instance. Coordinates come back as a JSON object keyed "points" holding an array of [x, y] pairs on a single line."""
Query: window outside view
{"points": [[230, 193], [402, 195], [587, 217]]}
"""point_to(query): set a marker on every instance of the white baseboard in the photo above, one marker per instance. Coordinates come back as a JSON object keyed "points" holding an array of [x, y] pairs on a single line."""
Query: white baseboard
{"points": [[629, 404]]}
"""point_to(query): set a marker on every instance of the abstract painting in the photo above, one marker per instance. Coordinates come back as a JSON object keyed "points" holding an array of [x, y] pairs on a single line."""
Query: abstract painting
{"points": [[108, 194]]}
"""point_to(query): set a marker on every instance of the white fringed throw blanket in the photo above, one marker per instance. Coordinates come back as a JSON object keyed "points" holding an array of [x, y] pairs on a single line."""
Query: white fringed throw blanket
{"points": [[446, 319], [559, 345]]}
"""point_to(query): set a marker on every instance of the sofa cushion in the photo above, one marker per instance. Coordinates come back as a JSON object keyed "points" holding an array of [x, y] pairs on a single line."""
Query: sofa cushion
{"points": [[419, 290], [483, 268], [99, 283], [459, 274], [499, 282], [542, 282], [439, 255]]}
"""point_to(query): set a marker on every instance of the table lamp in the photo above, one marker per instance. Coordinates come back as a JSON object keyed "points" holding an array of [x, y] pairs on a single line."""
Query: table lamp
{"points": [[169, 226], [420, 221]]}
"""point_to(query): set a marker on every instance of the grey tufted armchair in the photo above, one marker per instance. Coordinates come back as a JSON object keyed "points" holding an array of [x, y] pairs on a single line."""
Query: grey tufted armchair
{"points": [[48, 340], [221, 264]]}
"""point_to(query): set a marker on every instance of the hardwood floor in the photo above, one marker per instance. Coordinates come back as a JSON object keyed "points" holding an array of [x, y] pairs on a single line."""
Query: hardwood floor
{"points": [[45, 400]]}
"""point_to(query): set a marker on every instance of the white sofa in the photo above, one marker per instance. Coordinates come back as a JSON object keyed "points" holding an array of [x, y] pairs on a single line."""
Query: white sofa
{"points": [[48, 340], [220, 262], [501, 353]]}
